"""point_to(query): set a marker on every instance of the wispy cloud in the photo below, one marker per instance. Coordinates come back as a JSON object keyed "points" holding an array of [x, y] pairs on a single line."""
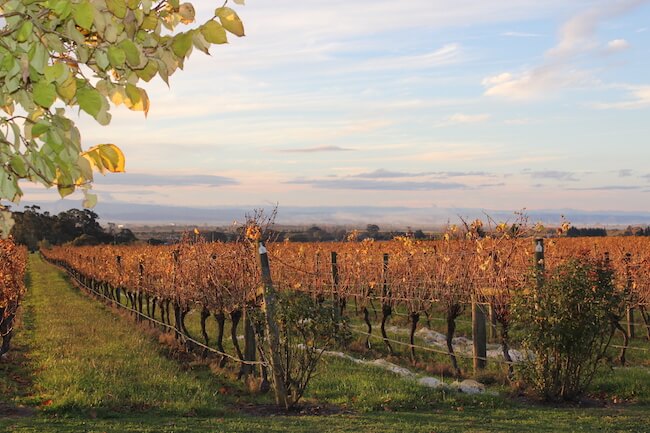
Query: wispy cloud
{"points": [[463, 119], [143, 179], [492, 185], [625, 172], [617, 45], [378, 185], [553, 174], [388, 174], [560, 69], [317, 149], [445, 55], [606, 188]]}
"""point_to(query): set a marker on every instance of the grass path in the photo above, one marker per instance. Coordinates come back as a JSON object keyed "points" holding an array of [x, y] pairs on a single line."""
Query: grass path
{"points": [[81, 368]]}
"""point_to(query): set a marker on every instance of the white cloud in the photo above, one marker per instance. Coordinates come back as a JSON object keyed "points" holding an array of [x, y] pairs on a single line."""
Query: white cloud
{"points": [[617, 45], [463, 119], [496, 80], [560, 69], [468, 118], [539, 83]]}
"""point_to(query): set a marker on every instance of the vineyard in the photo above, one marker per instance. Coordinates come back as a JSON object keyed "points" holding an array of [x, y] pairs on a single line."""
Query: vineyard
{"points": [[401, 277], [13, 260]]}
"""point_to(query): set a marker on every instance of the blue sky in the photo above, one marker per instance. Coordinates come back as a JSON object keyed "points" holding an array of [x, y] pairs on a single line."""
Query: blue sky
{"points": [[466, 103]]}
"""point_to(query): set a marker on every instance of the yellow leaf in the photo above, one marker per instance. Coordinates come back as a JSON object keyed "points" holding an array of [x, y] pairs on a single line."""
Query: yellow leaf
{"points": [[230, 21], [106, 157], [137, 99]]}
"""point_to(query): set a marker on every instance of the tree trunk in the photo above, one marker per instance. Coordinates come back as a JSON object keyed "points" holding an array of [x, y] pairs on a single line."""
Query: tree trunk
{"points": [[204, 316], [235, 317], [177, 319], [386, 311], [221, 321], [626, 341], [366, 318], [415, 317], [451, 329]]}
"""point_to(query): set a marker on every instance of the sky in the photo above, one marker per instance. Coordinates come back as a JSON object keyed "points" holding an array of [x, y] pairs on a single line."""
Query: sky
{"points": [[500, 104]]}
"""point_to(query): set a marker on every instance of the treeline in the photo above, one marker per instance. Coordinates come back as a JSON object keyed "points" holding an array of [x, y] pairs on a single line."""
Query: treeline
{"points": [[78, 227], [337, 234], [636, 231], [312, 234], [575, 232]]}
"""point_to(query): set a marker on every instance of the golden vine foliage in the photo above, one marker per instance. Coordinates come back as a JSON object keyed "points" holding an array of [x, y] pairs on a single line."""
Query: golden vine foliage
{"points": [[13, 260], [419, 274]]}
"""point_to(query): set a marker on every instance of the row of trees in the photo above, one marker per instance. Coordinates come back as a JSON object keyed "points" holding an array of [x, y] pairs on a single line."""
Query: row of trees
{"points": [[80, 227]]}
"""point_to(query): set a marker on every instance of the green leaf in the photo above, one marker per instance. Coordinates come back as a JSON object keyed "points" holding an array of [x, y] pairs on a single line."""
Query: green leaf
{"points": [[85, 170], [9, 186], [53, 72], [101, 58], [230, 21], [182, 44], [38, 57], [68, 89], [18, 165], [214, 32], [40, 128], [116, 56], [65, 190], [61, 7], [89, 100], [44, 94], [24, 31], [131, 52], [83, 14], [148, 72], [117, 7]]}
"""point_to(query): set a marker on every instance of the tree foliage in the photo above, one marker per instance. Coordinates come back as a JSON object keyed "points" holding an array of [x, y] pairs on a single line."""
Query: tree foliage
{"points": [[33, 228], [307, 329], [567, 326], [61, 56]]}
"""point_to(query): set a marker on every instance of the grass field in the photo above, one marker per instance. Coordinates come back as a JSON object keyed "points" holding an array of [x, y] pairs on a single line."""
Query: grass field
{"points": [[78, 366]]}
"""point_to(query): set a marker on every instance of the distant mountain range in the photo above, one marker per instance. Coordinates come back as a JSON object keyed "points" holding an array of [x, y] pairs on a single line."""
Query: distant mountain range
{"points": [[123, 212]]}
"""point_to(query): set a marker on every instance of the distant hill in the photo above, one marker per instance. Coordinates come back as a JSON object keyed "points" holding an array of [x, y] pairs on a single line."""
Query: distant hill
{"points": [[123, 212]]}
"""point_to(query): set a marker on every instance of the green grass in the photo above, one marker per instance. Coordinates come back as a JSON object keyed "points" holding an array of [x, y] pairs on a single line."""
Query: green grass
{"points": [[81, 367]]}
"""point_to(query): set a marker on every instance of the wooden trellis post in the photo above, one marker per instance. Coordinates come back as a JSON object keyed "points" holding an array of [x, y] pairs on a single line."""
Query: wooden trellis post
{"points": [[628, 289], [479, 335], [268, 307], [336, 302]]}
